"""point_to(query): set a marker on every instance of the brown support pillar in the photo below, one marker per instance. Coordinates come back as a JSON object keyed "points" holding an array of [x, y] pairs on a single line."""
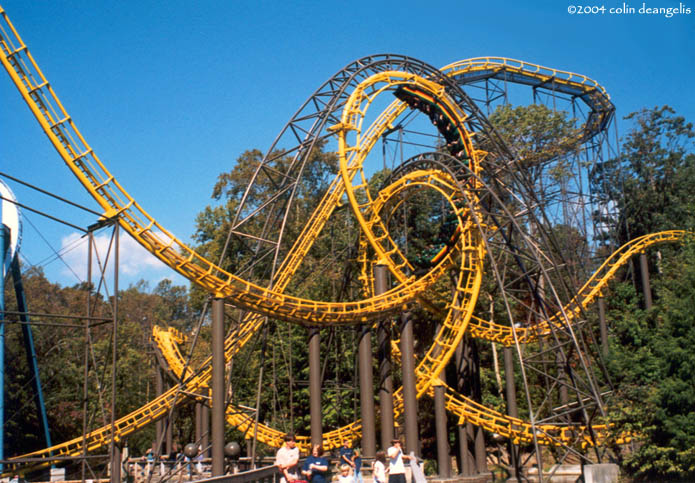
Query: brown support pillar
{"points": [[116, 464], [480, 453], [115, 450], [218, 392], [198, 423], [562, 381], [409, 390], [205, 424], [367, 393], [602, 325], [443, 459], [315, 385], [464, 430], [85, 379], [159, 389], [474, 364], [646, 286], [170, 433], [384, 356], [512, 410]]}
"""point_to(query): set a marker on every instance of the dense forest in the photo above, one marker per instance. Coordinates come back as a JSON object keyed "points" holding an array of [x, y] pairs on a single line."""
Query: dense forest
{"points": [[650, 359]]}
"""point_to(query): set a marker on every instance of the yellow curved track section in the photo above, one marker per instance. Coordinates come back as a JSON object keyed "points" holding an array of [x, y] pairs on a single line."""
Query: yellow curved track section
{"points": [[355, 143], [586, 295], [121, 207]]}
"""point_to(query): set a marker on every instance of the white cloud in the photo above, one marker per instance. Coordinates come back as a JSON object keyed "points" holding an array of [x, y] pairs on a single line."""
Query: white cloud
{"points": [[135, 262]]}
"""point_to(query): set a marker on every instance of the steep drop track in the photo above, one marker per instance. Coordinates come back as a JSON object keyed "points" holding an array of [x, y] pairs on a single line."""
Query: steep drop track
{"points": [[338, 113]]}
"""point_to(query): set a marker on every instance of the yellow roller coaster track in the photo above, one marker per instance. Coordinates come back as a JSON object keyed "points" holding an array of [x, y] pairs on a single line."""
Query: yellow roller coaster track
{"points": [[586, 295], [355, 144]]}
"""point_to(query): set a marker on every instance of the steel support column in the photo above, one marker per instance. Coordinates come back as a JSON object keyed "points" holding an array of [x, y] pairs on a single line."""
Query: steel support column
{"points": [[465, 430], [218, 394], [646, 286], [4, 242], [315, 385], [409, 390], [85, 392], [169, 432], [512, 409], [384, 357], [115, 461], [603, 327], [205, 424], [367, 393], [443, 460], [159, 389], [198, 423]]}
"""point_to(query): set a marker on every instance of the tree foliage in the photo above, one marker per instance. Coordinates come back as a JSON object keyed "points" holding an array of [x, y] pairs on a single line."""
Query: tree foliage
{"points": [[651, 182], [653, 366], [651, 360], [61, 358]]}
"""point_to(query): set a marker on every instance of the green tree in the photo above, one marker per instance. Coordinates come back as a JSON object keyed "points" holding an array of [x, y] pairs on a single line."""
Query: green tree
{"points": [[651, 182], [653, 368], [61, 350], [650, 360]]}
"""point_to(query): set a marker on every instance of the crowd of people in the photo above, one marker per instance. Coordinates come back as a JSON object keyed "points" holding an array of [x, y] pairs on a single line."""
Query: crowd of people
{"points": [[388, 466]]}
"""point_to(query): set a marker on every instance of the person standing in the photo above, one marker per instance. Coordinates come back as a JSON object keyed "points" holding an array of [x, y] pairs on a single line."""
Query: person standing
{"points": [[357, 459], [316, 466], [396, 465], [287, 458], [379, 467], [347, 455]]}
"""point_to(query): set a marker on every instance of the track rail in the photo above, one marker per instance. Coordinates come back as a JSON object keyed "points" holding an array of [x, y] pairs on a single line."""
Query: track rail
{"points": [[352, 91]]}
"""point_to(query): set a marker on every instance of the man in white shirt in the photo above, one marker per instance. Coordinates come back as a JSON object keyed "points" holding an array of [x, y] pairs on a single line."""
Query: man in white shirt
{"points": [[287, 458], [396, 466]]}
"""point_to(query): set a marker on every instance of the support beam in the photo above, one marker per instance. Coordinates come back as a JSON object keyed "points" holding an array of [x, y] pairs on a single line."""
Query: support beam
{"points": [[159, 390], [443, 459], [315, 385], [115, 458], [4, 241], [85, 380], [218, 406], [170, 432], [32, 360], [198, 423], [409, 390], [473, 366], [603, 326], [384, 357], [646, 286], [205, 424], [116, 464], [512, 409], [465, 430], [367, 393]]}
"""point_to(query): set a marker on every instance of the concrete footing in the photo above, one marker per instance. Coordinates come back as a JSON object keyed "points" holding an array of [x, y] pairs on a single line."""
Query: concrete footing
{"points": [[603, 473]]}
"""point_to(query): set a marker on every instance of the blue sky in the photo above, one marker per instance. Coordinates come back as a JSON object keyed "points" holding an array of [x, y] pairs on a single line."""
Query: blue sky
{"points": [[169, 94]]}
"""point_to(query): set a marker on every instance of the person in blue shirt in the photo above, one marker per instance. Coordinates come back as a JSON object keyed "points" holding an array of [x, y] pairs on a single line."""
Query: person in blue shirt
{"points": [[315, 466], [347, 455], [357, 459]]}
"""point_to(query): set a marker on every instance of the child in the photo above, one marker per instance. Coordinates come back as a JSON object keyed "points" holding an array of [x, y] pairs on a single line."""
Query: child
{"points": [[379, 467], [345, 476]]}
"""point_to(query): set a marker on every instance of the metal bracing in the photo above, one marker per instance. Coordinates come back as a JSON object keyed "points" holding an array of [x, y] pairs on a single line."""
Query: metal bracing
{"points": [[504, 240]]}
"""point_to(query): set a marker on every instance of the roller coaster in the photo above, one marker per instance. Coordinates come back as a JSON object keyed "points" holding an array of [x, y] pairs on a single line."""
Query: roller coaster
{"points": [[501, 238]]}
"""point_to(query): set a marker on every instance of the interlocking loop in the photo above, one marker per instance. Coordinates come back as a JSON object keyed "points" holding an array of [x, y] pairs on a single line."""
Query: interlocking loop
{"points": [[338, 111]]}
